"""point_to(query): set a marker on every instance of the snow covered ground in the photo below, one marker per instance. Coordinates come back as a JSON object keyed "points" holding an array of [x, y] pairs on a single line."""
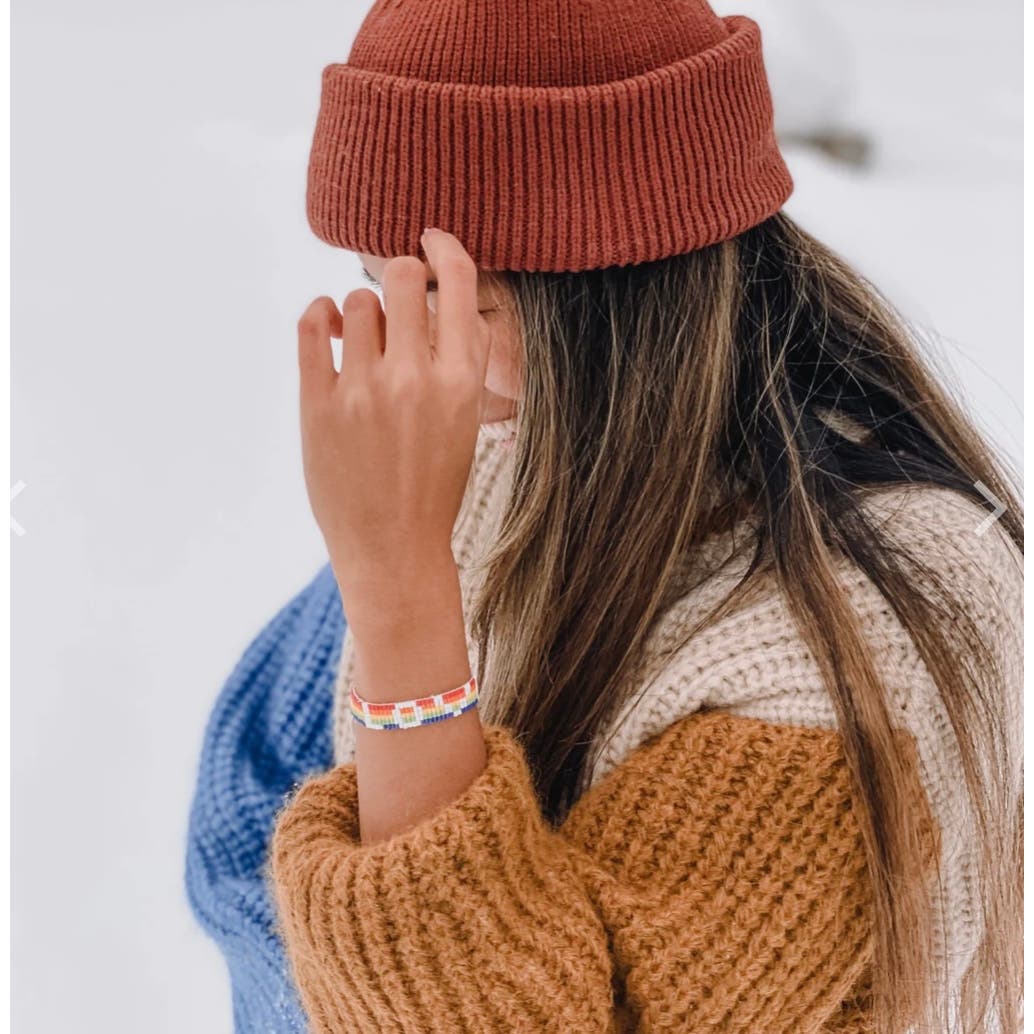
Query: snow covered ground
{"points": [[161, 259]]}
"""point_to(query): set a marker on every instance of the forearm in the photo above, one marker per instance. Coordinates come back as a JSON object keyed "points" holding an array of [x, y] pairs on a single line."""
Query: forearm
{"points": [[410, 641]]}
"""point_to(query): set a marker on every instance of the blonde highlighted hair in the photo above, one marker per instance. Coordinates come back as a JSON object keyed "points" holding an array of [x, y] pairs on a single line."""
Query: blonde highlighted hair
{"points": [[659, 401]]}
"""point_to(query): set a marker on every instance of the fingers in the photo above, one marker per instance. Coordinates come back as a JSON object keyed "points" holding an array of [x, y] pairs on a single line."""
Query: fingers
{"points": [[362, 331], [462, 332], [320, 321], [407, 331]]}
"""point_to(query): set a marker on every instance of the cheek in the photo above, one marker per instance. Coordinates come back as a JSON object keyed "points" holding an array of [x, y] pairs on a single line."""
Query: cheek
{"points": [[503, 375]]}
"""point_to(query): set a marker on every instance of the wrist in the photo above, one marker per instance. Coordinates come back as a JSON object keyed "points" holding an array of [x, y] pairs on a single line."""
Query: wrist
{"points": [[398, 591], [409, 639], [383, 601]]}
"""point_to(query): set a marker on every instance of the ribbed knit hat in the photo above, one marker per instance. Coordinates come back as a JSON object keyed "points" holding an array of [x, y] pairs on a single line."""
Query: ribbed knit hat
{"points": [[551, 135]]}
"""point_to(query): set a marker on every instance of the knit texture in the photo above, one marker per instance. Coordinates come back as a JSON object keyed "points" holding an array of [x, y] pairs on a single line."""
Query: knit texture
{"points": [[716, 880], [269, 728], [547, 135], [755, 664]]}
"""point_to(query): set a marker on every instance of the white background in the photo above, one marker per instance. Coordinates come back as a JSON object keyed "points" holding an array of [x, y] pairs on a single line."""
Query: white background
{"points": [[161, 259]]}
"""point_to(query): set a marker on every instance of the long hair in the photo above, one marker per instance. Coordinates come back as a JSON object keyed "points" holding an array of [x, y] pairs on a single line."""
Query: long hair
{"points": [[656, 399]]}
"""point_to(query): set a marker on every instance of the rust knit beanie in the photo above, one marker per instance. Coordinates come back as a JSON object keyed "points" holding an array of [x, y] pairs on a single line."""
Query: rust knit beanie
{"points": [[550, 135]]}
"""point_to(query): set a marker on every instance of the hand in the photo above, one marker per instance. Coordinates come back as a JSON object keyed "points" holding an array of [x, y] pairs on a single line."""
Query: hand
{"points": [[388, 442]]}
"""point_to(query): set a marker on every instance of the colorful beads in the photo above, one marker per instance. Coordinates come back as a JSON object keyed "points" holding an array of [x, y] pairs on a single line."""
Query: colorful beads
{"points": [[407, 714]]}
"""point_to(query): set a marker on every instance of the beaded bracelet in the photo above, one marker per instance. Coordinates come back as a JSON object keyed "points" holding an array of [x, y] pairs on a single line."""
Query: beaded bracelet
{"points": [[407, 714]]}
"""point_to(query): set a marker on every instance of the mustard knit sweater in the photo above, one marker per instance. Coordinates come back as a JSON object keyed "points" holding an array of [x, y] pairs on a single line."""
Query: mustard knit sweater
{"points": [[711, 878]]}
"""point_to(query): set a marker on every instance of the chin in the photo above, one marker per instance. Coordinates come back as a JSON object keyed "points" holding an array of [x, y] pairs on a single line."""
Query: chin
{"points": [[496, 407]]}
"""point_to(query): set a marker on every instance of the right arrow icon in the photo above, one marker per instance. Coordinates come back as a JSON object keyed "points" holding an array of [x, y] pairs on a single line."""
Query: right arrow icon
{"points": [[999, 507]]}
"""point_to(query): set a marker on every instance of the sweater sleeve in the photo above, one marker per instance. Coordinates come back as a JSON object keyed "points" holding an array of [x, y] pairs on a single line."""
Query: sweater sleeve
{"points": [[713, 881]]}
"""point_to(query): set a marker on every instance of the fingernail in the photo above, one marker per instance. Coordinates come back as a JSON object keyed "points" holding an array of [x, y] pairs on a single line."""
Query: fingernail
{"points": [[427, 230]]}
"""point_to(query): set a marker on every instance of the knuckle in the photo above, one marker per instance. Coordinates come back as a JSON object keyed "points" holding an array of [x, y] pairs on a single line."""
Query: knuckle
{"points": [[460, 379], [405, 383], [357, 403]]}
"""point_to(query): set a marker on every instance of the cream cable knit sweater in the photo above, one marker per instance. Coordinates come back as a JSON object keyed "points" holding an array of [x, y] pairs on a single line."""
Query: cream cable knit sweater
{"points": [[755, 664]]}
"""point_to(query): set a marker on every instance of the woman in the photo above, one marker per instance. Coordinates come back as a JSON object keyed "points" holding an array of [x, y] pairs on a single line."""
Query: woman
{"points": [[652, 497]]}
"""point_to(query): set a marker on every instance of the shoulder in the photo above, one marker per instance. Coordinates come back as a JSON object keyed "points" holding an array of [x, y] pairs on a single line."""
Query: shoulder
{"points": [[952, 533], [963, 562], [753, 660]]}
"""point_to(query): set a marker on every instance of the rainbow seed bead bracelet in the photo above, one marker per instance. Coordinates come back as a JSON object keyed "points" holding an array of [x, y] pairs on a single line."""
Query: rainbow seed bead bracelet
{"points": [[407, 714]]}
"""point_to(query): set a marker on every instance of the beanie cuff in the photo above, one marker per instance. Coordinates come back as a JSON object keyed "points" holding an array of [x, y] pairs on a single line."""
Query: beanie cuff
{"points": [[545, 178]]}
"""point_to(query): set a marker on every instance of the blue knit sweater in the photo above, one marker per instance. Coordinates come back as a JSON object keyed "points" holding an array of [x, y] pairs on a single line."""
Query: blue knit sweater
{"points": [[270, 727]]}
